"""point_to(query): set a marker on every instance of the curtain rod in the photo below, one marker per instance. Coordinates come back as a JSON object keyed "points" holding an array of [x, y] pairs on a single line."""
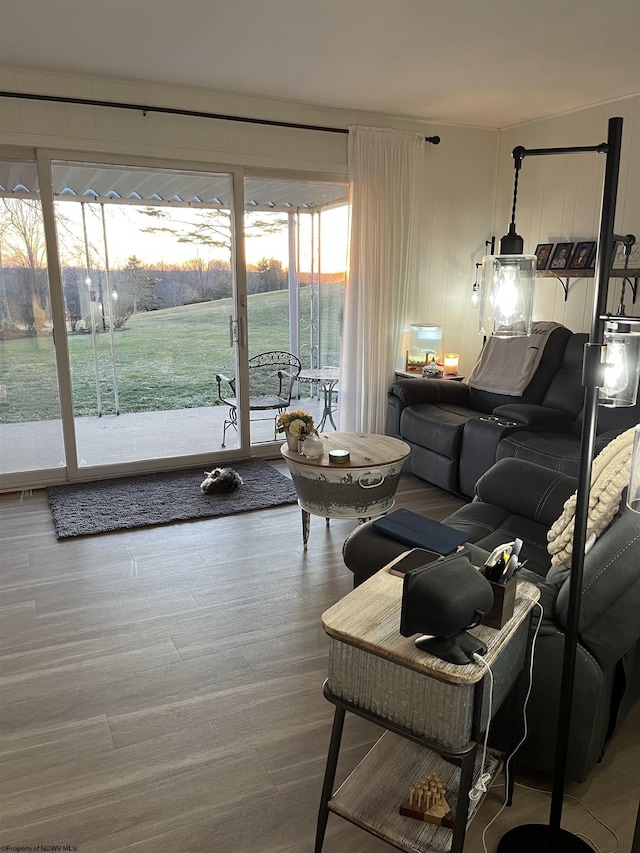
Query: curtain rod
{"points": [[434, 140]]}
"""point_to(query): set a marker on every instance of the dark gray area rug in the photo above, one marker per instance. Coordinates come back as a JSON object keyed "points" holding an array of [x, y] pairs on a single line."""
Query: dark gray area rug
{"points": [[150, 499]]}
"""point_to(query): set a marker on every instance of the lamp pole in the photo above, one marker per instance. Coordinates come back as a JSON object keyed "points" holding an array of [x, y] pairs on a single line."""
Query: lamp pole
{"points": [[551, 838]]}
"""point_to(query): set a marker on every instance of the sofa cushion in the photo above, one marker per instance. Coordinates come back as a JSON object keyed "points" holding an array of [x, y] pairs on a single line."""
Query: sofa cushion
{"points": [[612, 418], [438, 469], [525, 489], [554, 450], [489, 526], [566, 391], [611, 591], [435, 426]]}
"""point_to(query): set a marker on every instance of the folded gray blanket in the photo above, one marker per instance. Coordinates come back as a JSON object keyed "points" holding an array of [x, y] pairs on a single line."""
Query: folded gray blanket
{"points": [[506, 365]]}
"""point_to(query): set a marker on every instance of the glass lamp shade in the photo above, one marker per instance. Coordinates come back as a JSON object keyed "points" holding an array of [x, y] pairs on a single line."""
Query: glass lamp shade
{"points": [[622, 365], [633, 493], [506, 295]]}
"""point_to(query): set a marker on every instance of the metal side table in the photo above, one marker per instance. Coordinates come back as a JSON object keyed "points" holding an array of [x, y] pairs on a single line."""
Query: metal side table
{"points": [[434, 713]]}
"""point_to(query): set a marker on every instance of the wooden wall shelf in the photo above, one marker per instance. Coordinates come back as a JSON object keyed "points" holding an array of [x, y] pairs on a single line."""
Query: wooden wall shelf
{"points": [[565, 276], [631, 273]]}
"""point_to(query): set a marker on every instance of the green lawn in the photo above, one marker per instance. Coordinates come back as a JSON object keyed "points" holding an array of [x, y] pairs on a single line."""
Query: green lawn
{"points": [[165, 359]]}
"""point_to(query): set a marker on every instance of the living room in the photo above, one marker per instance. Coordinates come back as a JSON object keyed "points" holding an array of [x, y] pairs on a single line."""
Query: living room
{"points": [[183, 679]]}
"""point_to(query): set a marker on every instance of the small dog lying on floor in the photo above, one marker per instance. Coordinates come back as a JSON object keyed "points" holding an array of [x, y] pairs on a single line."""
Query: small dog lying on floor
{"points": [[220, 480]]}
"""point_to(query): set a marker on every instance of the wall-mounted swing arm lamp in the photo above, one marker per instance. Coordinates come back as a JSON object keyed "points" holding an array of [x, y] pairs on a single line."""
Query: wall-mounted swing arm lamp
{"points": [[475, 292], [489, 246], [551, 838]]}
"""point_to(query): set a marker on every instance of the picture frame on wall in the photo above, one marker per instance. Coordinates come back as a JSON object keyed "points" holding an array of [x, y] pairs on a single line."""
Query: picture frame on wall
{"points": [[582, 255], [618, 256], [543, 254], [561, 256]]}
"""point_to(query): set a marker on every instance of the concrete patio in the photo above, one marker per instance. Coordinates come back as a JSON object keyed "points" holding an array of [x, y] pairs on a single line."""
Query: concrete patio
{"points": [[111, 439]]}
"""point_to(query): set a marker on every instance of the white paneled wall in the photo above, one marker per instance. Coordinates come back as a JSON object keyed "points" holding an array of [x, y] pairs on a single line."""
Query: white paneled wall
{"points": [[559, 197], [460, 196]]}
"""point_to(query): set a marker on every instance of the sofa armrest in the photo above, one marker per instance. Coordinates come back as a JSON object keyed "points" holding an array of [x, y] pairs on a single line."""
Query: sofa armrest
{"points": [[526, 489], [604, 438], [533, 415], [413, 391], [610, 601]]}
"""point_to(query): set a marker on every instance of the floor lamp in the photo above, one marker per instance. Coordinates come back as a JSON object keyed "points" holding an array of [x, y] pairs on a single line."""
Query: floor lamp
{"points": [[551, 838]]}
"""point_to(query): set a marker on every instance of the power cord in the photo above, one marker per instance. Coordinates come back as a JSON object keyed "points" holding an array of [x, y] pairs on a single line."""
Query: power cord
{"points": [[507, 766], [586, 808], [480, 787]]}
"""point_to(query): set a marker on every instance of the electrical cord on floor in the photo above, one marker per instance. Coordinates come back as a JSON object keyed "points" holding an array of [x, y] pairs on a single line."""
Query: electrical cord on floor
{"points": [[484, 778], [586, 808], [526, 728], [517, 747]]}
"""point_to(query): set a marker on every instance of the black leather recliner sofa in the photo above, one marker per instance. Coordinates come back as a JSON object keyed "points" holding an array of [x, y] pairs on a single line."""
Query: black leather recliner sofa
{"points": [[456, 432], [519, 498]]}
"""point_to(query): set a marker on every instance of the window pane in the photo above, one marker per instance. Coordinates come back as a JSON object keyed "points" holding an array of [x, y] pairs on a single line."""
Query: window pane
{"points": [[146, 258], [30, 425]]}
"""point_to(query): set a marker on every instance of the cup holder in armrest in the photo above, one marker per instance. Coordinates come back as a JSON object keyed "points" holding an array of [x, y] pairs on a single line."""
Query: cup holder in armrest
{"points": [[497, 421]]}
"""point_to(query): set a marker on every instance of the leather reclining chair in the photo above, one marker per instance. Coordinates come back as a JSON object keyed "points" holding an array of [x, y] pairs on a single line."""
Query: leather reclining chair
{"points": [[452, 446], [433, 415], [519, 498], [554, 441]]}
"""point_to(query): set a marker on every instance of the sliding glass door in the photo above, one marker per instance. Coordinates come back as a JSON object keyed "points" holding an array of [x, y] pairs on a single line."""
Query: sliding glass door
{"points": [[148, 278], [127, 347], [296, 247], [30, 422]]}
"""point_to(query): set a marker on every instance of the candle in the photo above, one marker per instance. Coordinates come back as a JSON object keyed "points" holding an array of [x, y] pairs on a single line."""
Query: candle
{"points": [[451, 363]]}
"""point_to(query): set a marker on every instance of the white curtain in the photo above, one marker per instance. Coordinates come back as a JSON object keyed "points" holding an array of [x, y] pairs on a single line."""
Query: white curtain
{"points": [[386, 169]]}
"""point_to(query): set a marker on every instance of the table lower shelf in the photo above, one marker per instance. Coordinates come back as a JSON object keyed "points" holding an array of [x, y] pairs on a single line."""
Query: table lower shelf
{"points": [[372, 794]]}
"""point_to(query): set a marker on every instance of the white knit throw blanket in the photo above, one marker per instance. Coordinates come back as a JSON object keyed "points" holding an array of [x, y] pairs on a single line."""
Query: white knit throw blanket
{"points": [[609, 476]]}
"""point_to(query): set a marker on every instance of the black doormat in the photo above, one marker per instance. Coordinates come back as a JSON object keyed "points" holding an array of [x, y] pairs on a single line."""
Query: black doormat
{"points": [[151, 499]]}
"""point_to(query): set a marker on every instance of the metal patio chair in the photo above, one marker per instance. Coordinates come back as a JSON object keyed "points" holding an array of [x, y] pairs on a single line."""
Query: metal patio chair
{"points": [[272, 377]]}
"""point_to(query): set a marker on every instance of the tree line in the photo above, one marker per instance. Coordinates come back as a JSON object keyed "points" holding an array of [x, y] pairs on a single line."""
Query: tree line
{"points": [[132, 288], [135, 288]]}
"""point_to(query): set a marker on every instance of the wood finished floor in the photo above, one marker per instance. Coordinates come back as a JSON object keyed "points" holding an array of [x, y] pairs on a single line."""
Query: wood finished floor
{"points": [[160, 689]]}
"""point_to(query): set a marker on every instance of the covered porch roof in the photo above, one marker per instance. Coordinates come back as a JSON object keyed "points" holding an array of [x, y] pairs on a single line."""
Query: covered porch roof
{"points": [[133, 185]]}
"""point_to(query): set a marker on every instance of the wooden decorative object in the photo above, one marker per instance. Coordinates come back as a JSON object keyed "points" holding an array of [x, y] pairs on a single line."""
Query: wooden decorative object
{"points": [[426, 802]]}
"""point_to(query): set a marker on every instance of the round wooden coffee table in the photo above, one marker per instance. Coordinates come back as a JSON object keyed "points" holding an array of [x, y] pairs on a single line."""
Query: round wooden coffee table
{"points": [[362, 487]]}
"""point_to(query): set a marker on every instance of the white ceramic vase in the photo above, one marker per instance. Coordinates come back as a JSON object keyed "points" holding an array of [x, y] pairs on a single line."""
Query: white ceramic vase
{"points": [[312, 447], [292, 440]]}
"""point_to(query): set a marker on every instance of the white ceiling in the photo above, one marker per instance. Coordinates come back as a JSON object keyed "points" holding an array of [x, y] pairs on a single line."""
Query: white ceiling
{"points": [[486, 63]]}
